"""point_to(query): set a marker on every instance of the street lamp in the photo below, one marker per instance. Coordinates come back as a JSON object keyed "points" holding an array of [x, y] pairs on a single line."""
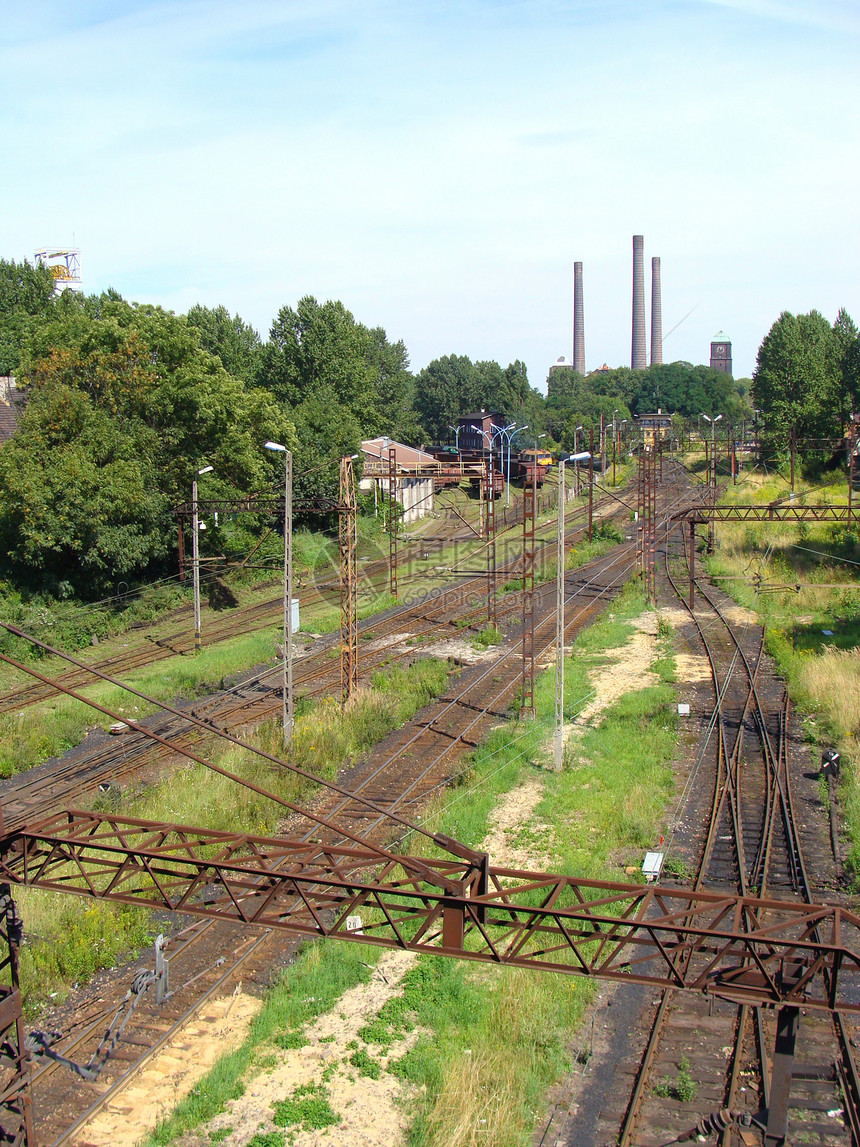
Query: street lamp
{"points": [[287, 678], [509, 431], [195, 554]]}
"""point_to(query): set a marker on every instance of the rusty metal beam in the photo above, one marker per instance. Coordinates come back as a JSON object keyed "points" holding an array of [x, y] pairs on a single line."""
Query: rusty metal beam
{"points": [[744, 949], [790, 512], [393, 521]]}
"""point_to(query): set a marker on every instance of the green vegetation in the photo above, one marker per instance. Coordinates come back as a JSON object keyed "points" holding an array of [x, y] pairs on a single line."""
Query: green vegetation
{"points": [[67, 945], [807, 377], [497, 1038], [683, 1088], [752, 561], [307, 1108]]}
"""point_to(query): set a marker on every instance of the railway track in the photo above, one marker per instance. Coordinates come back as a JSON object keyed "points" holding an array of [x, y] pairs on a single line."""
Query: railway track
{"points": [[701, 1058], [104, 761], [247, 619], [398, 776]]}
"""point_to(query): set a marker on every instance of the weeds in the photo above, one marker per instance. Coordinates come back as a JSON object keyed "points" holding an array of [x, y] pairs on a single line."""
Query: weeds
{"points": [[684, 1088], [307, 1108]]}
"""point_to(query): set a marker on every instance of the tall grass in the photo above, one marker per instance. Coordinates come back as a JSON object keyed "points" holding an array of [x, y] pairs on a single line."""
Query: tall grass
{"points": [[67, 943]]}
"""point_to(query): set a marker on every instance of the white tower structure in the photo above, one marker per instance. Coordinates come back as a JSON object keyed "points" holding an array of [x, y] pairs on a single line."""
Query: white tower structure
{"points": [[64, 263]]}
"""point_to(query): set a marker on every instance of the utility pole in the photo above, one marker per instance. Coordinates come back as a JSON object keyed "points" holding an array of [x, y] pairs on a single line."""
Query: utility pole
{"points": [[558, 739], [195, 556], [287, 670]]}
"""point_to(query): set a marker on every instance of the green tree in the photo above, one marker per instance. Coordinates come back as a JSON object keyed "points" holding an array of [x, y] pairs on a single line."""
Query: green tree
{"points": [[124, 406], [319, 352], [26, 293], [847, 350], [229, 338], [796, 379]]}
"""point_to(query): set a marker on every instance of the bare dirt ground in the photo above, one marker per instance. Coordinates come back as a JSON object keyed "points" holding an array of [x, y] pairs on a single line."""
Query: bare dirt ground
{"points": [[626, 668], [372, 1111], [218, 1027]]}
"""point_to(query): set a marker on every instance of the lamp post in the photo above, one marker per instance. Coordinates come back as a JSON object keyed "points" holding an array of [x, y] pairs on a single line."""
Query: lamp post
{"points": [[509, 432], [287, 678], [576, 450], [457, 430], [195, 555]]}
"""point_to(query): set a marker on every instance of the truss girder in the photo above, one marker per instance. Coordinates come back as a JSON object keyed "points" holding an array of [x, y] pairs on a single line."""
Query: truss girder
{"points": [[787, 513], [753, 951]]}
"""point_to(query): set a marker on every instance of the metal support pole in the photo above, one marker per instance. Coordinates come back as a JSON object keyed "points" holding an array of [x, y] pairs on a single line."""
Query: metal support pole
{"points": [[161, 970], [558, 739], [392, 521], [591, 486], [287, 681], [791, 446], [692, 562], [16, 1115], [780, 1080], [491, 543], [195, 564], [527, 703], [348, 537], [181, 550]]}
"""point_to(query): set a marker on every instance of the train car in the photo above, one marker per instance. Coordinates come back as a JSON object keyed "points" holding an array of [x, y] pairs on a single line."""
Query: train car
{"points": [[498, 482]]}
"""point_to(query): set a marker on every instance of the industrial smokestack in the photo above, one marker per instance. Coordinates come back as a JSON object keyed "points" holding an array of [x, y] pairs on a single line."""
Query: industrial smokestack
{"points": [[578, 321], [656, 312], [638, 354]]}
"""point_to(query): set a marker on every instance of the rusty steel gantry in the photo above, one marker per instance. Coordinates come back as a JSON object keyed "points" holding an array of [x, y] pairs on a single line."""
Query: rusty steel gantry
{"points": [[527, 677], [348, 539], [765, 953], [489, 480]]}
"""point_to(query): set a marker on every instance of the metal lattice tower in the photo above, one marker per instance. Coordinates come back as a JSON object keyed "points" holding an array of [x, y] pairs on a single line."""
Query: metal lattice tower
{"points": [[527, 704], [490, 528], [348, 537], [16, 1116], [392, 521]]}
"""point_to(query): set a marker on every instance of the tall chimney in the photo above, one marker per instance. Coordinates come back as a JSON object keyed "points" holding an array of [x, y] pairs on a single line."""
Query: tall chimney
{"points": [[578, 321], [638, 354], [656, 312]]}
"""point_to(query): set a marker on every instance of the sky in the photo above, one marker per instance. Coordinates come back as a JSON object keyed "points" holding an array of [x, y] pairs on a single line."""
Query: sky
{"points": [[439, 165]]}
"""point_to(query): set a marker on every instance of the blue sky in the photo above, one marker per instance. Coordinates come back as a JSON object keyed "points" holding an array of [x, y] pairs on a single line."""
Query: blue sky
{"points": [[438, 166]]}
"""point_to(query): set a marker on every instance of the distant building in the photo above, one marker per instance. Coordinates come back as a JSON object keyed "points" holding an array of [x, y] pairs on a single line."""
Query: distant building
{"points": [[476, 430], [415, 470], [721, 352], [654, 427], [11, 405]]}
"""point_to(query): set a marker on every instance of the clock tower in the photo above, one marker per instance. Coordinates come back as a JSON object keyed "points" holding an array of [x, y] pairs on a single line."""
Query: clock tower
{"points": [[721, 352]]}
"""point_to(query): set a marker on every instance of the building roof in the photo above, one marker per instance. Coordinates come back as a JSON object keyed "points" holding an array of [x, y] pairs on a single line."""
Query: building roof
{"points": [[479, 415], [721, 337], [403, 455]]}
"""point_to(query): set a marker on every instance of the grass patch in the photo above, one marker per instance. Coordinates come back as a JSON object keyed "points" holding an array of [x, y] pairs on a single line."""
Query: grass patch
{"points": [[815, 563], [307, 1109], [498, 1036], [66, 945]]}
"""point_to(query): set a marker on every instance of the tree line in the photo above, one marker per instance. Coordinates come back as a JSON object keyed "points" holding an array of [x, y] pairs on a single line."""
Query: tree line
{"points": [[126, 401]]}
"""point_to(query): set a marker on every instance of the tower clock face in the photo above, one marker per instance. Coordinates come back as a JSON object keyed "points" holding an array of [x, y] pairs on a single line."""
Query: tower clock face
{"points": [[720, 351]]}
